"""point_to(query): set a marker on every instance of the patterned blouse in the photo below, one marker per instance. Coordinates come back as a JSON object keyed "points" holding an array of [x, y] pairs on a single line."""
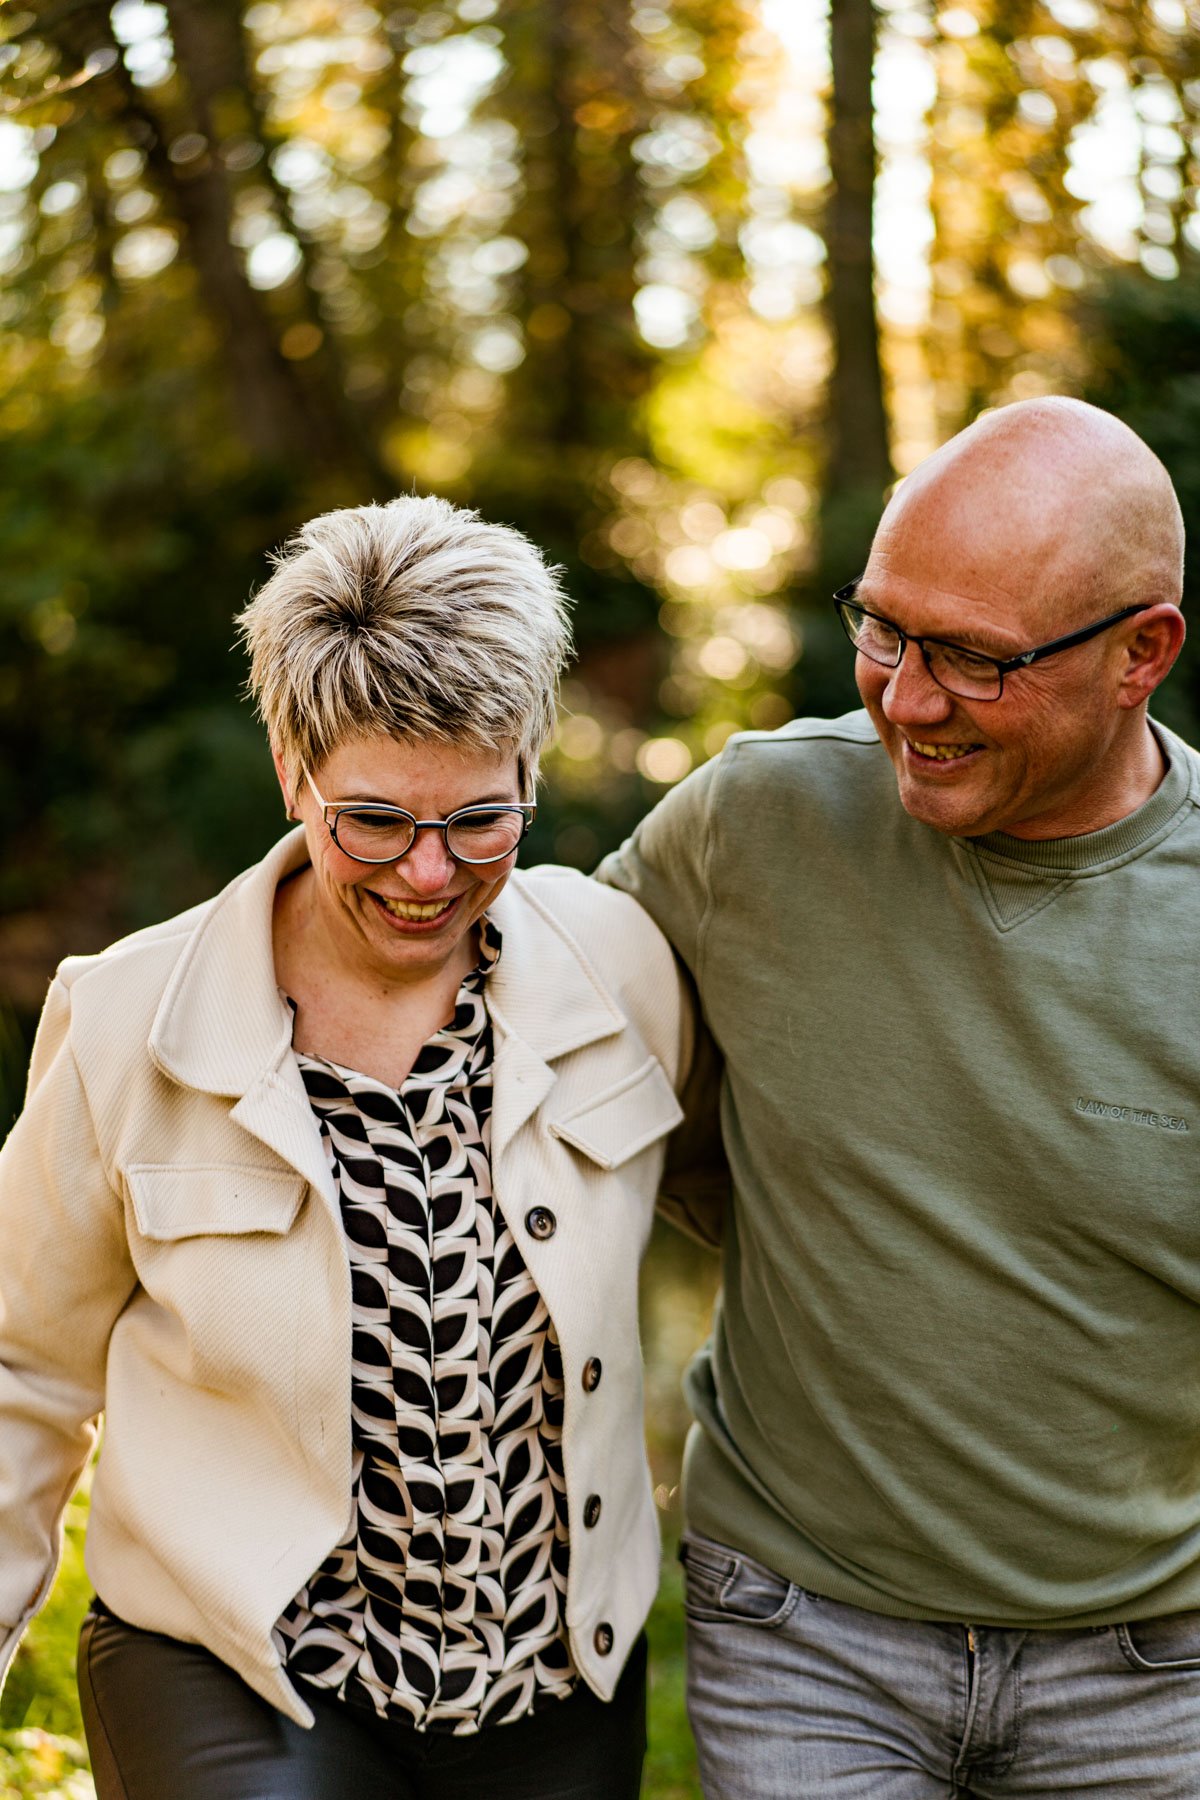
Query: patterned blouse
{"points": [[444, 1603]]}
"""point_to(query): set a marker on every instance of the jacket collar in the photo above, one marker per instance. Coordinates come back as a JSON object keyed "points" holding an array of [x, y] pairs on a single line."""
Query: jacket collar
{"points": [[222, 1025]]}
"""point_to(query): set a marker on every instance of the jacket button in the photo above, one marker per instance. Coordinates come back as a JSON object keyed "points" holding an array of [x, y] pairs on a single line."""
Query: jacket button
{"points": [[603, 1639], [540, 1222], [591, 1510], [593, 1368]]}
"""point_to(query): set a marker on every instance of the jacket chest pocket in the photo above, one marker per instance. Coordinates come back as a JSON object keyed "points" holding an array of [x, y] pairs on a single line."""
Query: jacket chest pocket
{"points": [[222, 1272], [171, 1203], [617, 1124]]}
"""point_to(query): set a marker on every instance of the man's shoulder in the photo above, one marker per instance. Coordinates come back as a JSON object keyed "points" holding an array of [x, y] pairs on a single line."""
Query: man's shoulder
{"points": [[805, 758], [1178, 748], [853, 729]]}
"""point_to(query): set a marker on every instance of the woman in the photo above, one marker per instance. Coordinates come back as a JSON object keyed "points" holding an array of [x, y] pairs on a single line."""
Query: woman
{"points": [[332, 1193]]}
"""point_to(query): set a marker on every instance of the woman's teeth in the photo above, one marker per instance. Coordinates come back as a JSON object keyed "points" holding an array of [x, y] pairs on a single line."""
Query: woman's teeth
{"points": [[943, 752], [412, 910]]}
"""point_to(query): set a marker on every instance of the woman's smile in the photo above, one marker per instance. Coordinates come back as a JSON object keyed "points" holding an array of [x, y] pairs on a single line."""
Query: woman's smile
{"points": [[415, 915]]}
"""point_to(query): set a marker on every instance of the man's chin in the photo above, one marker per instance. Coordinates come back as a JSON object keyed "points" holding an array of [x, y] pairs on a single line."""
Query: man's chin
{"points": [[960, 814]]}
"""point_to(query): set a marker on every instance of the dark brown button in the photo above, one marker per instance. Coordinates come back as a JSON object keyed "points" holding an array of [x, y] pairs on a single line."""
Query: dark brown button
{"points": [[603, 1639], [540, 1222], [593, 1368], [591, 1510]]}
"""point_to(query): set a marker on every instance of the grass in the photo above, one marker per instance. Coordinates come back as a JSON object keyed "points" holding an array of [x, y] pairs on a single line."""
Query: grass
{"points": [[41, 1734]]}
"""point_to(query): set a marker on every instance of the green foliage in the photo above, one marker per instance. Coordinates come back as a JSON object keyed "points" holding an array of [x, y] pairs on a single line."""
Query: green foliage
{"points": [[36, 1763], [670, 1772], [40, 1694], [115, 636]]}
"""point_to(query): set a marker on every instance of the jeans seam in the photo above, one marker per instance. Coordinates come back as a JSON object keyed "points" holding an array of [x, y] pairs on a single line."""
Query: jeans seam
{"points": [[722, 1615], [1185, 1665], [732, 1563], [690, 1552]]}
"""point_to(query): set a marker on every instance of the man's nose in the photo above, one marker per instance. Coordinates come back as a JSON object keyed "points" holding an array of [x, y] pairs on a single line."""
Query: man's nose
{"points": [[912, 695], [427, 866]]}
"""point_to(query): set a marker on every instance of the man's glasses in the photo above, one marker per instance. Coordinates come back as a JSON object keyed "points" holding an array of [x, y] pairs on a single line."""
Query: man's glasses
{"points": [[967, 673], [383, 834]]}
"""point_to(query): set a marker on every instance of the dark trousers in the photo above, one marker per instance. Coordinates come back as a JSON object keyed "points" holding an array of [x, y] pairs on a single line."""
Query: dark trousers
{"points": [[169, 1721]]}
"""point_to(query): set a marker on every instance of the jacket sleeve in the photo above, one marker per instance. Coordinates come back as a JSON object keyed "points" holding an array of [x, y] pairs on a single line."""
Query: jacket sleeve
{"points": [[65, 1274]]}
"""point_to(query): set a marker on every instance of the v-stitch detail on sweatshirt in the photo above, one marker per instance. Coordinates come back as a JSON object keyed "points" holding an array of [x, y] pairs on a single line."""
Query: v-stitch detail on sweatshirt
{"points": [[1010, 902]]}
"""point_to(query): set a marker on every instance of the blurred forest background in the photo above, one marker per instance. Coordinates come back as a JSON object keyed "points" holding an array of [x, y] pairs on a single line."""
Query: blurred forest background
{"points": [[679, 287]]}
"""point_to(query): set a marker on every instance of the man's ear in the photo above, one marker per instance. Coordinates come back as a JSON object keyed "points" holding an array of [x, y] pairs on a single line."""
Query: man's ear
{"points": [[285, 786], [1154, 641]]}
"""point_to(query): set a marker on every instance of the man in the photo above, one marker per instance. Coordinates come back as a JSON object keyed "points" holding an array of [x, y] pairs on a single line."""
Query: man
{"points": [[943, 1494]]}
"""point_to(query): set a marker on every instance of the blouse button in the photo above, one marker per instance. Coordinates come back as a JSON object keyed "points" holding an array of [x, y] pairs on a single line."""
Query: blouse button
{"points": [[603, 1639], [591, 1510], [540, 1222], [592, 1370]]}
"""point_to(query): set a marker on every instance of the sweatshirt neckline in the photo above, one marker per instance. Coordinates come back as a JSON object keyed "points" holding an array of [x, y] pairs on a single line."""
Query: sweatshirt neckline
{"points": [[1080, 855]]}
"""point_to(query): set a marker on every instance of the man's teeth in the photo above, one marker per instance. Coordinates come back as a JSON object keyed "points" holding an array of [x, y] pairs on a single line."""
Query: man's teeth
{"points": [[943, 752], [410, 909]]}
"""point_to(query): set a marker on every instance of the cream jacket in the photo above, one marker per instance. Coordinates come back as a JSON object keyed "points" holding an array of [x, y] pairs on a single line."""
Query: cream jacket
{"points": [[171, 1251]]}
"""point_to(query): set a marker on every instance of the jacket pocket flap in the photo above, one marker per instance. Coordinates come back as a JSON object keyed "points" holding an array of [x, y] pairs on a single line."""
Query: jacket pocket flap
{"points": [[624, 1119], [221, 1200]]}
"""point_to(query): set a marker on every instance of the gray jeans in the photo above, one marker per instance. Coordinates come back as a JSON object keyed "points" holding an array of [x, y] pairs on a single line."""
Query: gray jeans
{"points": [[794, 1697]]}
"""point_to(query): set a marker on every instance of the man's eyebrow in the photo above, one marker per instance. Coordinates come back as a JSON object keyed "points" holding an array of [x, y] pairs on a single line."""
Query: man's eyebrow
{"points": [[935, 637]]}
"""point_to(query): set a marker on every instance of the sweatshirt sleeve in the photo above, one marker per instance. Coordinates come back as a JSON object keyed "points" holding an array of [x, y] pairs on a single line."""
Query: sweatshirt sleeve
{"points": [[666, 863], [65, 1274]]}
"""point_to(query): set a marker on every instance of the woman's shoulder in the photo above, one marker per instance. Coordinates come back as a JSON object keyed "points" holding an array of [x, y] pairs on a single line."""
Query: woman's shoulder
{"points": [[147, 957], [587, 908], [149, 953], [605, 931]]}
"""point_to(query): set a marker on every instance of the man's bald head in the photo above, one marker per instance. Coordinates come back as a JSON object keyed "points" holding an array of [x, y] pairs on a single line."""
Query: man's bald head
{"points": [[1051, 498], [1046, 520]]}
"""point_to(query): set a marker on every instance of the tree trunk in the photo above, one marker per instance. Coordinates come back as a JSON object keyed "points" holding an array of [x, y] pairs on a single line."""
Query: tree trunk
{"points": [[295, 409], [859, 466], [286, 414]]}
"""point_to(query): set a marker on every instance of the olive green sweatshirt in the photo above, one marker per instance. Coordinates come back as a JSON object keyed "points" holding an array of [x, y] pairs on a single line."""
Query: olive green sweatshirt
{"points": [[955, 1369]]}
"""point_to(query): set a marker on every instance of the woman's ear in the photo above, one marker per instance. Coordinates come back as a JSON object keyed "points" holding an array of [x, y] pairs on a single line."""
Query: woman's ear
{"points": [[285, 786]]}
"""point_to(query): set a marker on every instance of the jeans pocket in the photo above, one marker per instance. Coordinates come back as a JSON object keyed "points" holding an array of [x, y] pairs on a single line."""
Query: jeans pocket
{"points": [[725, 1586], [1160, 1645]]}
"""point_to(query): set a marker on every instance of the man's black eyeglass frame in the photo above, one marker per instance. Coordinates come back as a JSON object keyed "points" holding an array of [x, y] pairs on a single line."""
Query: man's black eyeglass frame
{"points": [[844, 602]]}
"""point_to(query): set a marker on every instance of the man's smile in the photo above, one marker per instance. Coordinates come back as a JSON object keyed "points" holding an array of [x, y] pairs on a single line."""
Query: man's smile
{"points": [[940, 752]]}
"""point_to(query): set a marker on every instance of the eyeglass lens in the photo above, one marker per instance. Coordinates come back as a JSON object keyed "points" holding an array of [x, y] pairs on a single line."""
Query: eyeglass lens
{"points": [[374, 835], [958, 671]]}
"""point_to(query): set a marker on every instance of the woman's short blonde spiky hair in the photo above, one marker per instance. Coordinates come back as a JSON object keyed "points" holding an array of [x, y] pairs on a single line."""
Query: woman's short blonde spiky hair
{"points": [[416, 619]]}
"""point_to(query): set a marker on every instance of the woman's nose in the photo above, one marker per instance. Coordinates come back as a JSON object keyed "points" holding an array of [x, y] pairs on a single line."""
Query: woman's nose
{"points": [[427, 866]]}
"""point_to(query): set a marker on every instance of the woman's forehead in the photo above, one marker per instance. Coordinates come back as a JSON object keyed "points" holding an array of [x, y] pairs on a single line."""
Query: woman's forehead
{"points": [[401, 770]]}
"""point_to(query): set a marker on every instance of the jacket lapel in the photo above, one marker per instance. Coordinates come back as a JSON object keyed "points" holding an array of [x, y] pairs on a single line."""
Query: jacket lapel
{"points": [[223, 1027], [545, 1001]]}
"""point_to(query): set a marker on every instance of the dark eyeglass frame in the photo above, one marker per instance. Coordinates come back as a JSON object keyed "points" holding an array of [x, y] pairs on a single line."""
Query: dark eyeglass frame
{"points": [[332, 810], [1002, 665]]}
